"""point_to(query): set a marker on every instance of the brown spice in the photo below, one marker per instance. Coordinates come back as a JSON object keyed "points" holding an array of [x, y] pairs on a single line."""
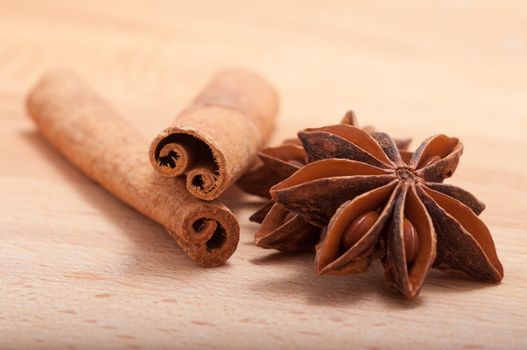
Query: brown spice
{"points": [[421, 221], [218, 136], [280, 228], [86, 130]]}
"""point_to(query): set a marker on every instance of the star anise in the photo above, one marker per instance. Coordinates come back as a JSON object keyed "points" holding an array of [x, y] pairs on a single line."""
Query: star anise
{"points": [[282, 229], [378, 201]]}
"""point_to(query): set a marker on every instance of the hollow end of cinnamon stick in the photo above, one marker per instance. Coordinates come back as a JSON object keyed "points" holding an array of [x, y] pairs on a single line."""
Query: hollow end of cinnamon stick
{"points": [[208, 235], [177, 151], [89, 133], [215, 139]]}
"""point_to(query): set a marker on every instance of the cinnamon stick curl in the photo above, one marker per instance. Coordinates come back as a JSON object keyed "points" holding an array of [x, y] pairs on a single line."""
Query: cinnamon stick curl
{"points": [[216, 138]]}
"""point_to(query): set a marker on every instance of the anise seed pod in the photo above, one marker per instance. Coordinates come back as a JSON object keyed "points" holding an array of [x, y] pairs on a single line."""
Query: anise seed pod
{"points": [[353, 173], [280, 229]]}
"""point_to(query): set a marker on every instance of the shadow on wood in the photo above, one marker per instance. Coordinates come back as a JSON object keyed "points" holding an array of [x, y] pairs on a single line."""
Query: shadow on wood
{"points": [[349, 289]]}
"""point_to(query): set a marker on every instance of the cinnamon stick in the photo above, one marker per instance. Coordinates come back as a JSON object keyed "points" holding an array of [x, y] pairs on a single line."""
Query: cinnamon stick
{"points": [[87, 131], [216, 138]]}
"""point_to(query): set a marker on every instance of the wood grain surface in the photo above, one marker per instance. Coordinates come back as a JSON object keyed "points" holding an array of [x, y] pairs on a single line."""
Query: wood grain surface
{"points": [[78, 269]]}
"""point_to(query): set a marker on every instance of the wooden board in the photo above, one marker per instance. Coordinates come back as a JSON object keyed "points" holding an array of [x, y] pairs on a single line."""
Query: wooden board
{"points": [[78, 269]]}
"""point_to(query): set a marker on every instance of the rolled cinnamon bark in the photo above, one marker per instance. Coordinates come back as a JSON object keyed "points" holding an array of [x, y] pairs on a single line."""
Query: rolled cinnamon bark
{"points": [[217, 137], [87, 131]]}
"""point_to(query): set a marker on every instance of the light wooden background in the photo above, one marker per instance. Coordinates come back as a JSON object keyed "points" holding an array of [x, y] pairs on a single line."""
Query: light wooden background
{"points": [[78, 269]]}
